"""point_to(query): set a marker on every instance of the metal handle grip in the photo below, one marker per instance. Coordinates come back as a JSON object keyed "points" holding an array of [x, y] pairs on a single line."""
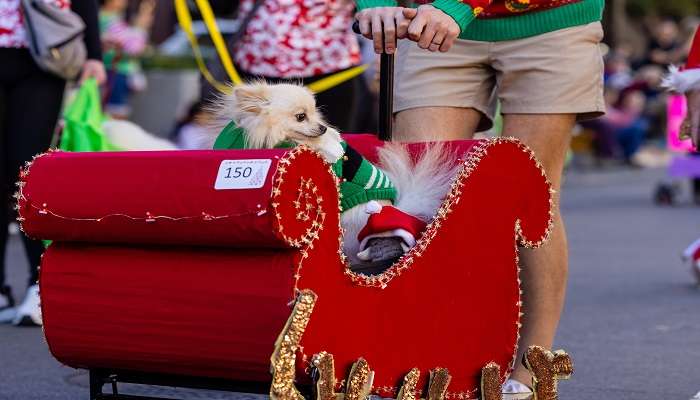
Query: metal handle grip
{"points": [[386, 91]]}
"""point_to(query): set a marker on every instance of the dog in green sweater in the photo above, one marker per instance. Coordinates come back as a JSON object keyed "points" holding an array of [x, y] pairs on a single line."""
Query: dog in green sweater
{"points": [[384, 209]]}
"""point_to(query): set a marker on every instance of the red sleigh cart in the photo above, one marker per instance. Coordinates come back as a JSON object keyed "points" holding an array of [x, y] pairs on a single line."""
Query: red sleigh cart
{"points": [[163, 272]]}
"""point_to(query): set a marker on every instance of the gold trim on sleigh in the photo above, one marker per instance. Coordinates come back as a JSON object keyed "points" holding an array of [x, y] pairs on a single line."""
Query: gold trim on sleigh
{"points": [[546, 367]]}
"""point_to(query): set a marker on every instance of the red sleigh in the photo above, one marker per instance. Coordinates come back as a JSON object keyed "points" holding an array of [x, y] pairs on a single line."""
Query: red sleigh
{"points": [[153, 270]]}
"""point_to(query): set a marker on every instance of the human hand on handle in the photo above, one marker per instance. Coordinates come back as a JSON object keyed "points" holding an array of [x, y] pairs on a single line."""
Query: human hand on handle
{"points": [[430, 27], [433, 29], [393, 21]]}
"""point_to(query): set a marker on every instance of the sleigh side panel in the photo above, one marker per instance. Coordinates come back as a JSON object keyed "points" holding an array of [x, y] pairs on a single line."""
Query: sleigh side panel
{"points": [[454, 300], [190, 311]]}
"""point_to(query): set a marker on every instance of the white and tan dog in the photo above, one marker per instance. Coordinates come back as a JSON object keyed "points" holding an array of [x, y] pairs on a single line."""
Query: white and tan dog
{"points": [[273, 114]]}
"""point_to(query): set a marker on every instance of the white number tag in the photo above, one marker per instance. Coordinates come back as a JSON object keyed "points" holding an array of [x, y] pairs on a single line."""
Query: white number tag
{"points": [[242, 174]]}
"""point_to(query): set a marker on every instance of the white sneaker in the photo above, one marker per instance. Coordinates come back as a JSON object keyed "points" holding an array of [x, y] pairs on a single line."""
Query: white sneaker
{"points": [[29, 312], [7, 305], [516, 390]]}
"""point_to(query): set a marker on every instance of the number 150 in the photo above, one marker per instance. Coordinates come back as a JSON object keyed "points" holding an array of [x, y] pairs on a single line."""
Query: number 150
{"points": [[238, 172]]}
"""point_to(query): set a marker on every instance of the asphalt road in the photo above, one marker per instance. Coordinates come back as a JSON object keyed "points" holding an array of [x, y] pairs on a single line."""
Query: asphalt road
{"points": [[631, 323]]}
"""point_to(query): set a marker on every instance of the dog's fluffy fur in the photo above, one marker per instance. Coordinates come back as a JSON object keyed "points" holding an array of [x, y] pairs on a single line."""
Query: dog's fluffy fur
{"points": [[270, 114], [420, 186]]}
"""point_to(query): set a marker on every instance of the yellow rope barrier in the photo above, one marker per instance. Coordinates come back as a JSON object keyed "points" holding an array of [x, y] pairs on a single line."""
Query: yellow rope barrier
{"points": [[185, 19]]}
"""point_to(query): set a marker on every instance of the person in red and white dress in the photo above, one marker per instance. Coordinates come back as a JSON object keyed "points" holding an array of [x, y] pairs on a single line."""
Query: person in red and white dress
{"points": [[686, 80], [303, 41], [30, 102]]}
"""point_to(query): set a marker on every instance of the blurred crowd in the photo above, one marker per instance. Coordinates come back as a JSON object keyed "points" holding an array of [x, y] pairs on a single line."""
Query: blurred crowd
{"points": [[303, 49], [636, 103]]}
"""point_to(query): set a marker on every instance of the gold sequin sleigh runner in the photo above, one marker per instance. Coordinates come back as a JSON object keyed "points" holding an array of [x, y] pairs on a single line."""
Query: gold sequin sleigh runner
{"points": [[546, 367]]}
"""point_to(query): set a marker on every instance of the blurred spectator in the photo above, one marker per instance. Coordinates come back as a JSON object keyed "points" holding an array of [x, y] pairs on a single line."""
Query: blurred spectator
{"points": [[618, 72], [191, 131], [123, 44], [648, 80], [301, 41], [629, 123], [30, 102], [635, 100], [665, 45], [621, 131]]}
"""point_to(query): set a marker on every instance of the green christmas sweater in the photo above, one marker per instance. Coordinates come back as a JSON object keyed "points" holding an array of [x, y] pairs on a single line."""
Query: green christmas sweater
{"points": [[500, 20], [360, 180]]}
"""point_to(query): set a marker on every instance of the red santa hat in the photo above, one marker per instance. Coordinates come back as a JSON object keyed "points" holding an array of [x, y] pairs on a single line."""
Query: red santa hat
{"points": [[390, 221], [692, 255], [687, 77], [692, 252]]}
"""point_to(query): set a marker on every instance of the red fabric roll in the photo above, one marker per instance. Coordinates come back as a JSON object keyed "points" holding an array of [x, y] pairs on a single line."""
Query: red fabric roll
{"points": [[189, 311], [151, 197]]}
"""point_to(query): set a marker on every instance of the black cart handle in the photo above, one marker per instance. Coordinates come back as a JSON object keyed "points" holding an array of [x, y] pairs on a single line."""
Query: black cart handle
{"points": [[386, 91]]}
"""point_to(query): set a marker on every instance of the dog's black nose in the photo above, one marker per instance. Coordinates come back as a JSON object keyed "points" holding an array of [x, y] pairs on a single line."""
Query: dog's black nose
{"points": [[322, 129]]}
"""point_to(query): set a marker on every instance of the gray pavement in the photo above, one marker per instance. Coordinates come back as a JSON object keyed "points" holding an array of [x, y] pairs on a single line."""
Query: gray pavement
{"points": [[631, 323]]}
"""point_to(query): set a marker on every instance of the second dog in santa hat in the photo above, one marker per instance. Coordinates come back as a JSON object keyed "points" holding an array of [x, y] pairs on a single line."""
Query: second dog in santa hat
{"points": [[388, 221]]}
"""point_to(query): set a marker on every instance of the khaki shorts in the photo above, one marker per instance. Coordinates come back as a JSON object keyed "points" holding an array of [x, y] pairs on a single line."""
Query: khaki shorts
{"points": [[559, 72]]}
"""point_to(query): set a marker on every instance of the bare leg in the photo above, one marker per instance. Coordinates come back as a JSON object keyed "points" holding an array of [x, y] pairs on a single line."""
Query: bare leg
{"points": [[545, 269], [435, 123]]}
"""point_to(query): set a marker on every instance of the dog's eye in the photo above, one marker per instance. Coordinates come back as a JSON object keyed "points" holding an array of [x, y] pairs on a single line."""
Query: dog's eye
{"points": [[301, 117]]}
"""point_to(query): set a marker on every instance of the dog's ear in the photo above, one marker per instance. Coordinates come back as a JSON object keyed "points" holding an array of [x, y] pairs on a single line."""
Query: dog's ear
{"points": [[251, 97]]}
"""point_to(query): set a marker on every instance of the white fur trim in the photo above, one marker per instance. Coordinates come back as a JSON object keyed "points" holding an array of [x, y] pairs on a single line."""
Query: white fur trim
{"points": [[690, 250], [681, 81], [373, 207], [405, 235]]}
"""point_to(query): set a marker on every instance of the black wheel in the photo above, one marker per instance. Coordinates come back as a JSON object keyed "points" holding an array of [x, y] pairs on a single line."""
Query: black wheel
{"points": [[665, 194]]}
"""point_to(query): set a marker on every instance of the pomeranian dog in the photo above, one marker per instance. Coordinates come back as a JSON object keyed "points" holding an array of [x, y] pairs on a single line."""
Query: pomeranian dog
{"points": [[273, 114]]}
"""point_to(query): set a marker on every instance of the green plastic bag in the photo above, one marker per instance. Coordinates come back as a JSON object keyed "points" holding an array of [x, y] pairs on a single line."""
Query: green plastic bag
{"points": [[82, 122]]}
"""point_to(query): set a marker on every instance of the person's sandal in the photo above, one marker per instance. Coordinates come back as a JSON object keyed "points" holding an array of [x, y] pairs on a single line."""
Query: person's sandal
{"points": [[516, 390]]}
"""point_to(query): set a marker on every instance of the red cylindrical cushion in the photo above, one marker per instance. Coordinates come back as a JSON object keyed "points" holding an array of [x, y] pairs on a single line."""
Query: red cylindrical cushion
{"points": [[192, 311], [158, 198]]}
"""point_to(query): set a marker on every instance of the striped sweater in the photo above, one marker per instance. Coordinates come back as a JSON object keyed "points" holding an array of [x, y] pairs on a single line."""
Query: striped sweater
{"points": [[361, 181]]}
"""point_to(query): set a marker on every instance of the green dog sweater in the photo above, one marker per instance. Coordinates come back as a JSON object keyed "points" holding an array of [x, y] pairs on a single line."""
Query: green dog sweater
{"points": [[360, 180]]}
